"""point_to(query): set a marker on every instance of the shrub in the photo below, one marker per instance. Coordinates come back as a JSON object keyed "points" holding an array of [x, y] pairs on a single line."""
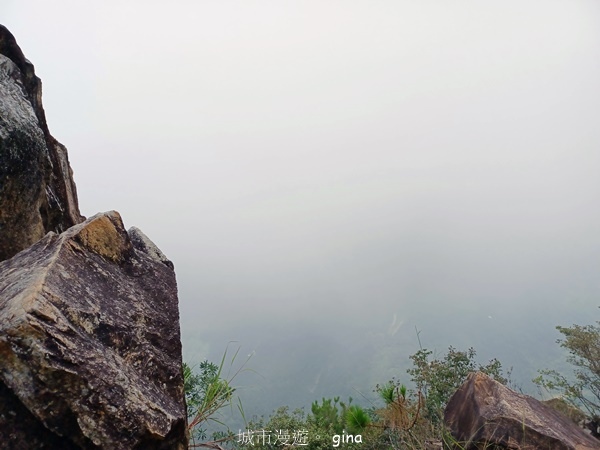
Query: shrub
{"points": [[206, 393], [582, 390], [437, 379]]}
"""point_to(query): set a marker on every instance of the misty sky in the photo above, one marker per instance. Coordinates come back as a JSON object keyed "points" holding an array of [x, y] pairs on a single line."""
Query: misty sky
{"points": [[317, 166]]}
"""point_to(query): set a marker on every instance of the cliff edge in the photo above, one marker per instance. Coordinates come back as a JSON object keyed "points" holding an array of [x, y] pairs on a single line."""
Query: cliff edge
{"points": [[90, 347]]}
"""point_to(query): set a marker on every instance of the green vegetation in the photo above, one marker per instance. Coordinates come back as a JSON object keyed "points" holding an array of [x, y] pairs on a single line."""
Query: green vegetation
{"points": [[207, 391], [582, 389], [400, 418], [437, 379]]}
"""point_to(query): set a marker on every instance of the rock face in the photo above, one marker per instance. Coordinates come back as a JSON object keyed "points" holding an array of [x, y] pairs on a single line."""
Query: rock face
{"points": [[90, 350], [484, 412], [37, 192]]}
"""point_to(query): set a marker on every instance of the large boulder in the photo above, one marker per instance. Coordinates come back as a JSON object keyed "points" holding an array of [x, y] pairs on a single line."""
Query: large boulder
{"points": [[90, 349], [484, 413], [37, 191]]}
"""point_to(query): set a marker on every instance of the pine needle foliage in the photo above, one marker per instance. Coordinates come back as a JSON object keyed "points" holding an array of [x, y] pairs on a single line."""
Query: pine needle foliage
{"points": [[357, 420]]}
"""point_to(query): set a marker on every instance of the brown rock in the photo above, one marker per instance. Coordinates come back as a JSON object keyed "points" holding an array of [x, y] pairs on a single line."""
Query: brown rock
{"points": [[90, 350], [566, 409], [37, 192], [484, 413]]}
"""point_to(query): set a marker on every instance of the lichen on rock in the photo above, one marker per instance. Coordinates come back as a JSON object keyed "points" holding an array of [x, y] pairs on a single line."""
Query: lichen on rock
{"points": [[106, 236]]}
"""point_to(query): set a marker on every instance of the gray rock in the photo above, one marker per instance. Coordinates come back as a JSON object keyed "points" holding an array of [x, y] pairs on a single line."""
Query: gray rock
{"points": [[37, 192], [90, 350], [143, 243], [483, 413]]}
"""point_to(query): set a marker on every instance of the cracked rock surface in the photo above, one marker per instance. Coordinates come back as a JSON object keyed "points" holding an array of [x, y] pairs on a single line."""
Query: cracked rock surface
{"points": [[37, 191], [90, 349]]}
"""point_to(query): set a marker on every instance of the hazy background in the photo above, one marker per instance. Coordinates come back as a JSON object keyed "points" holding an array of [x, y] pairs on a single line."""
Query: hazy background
{"points": [[330, 176]]}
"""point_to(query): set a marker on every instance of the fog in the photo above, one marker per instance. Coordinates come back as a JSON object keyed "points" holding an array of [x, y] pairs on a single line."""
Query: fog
{"points": [[335, 181]]}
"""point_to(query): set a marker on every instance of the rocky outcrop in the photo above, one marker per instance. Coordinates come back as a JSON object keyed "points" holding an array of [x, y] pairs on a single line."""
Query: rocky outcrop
{"points": [[37, 192], [90, 350], [484, 413]]}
